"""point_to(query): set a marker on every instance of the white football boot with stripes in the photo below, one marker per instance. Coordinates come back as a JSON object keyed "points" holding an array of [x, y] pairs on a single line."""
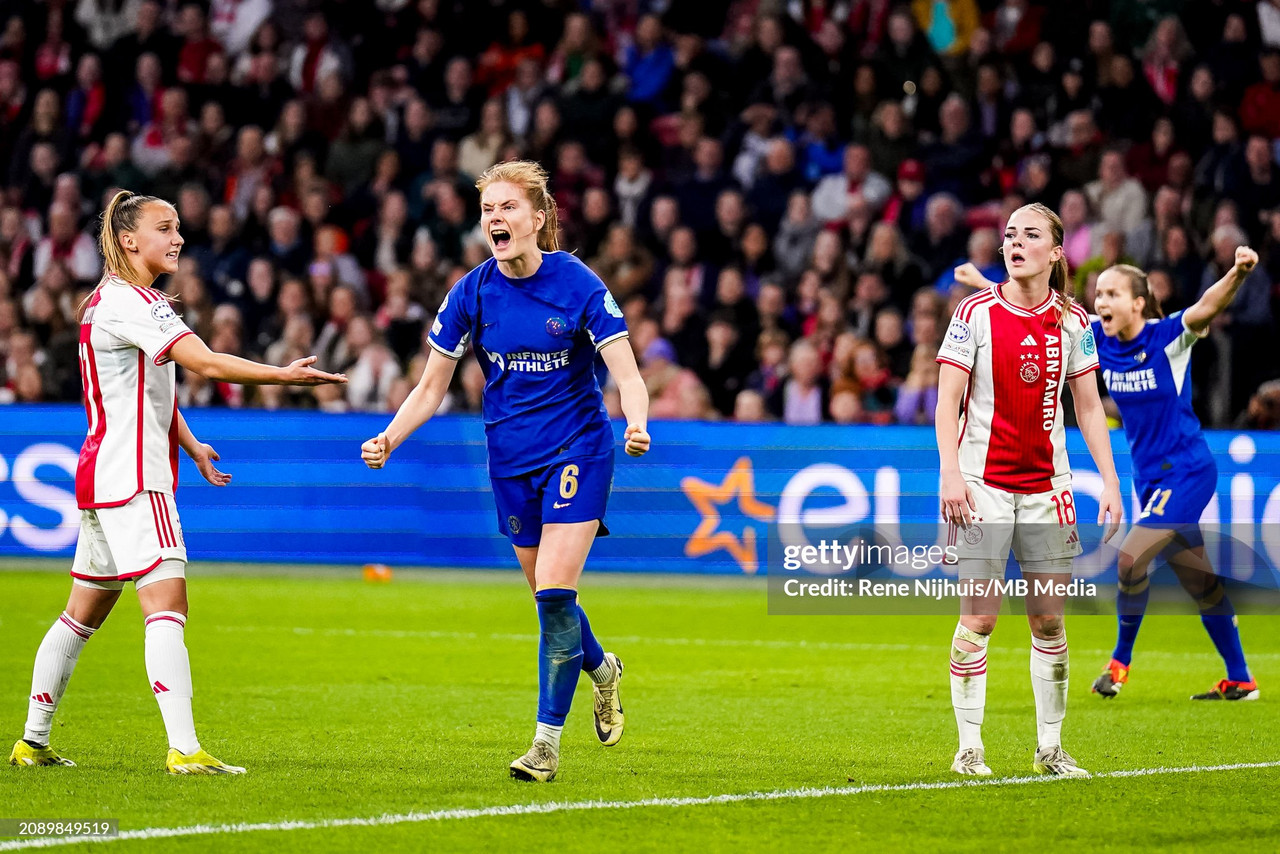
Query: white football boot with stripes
{"points": [[971, 762]]}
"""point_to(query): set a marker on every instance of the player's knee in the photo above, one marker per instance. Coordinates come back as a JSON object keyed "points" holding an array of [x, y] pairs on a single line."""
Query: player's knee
{"points": [[90, 607], [1046, 626], [558, 618], [1126, 564], [981, 625]]}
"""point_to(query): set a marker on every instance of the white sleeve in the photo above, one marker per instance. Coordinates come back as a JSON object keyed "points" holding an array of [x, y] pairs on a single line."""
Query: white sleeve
{"points": [[1082, 357], [145, 319], [960, 342]]}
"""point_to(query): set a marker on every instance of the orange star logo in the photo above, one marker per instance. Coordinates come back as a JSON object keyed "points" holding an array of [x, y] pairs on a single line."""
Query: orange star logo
{"points": [[708, 498]]}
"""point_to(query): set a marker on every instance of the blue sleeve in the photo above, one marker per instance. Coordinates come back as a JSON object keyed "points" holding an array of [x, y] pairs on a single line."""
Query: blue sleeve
{"points": [[1170, 330], [601, 317], [451, 331]]}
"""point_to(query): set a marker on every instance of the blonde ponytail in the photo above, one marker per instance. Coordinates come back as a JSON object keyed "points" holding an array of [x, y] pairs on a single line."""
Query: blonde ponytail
{"points": [[121, 215]]}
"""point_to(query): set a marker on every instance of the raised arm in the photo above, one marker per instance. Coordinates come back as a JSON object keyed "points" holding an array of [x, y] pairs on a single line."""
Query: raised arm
{"points": [[416, 410], [194, 355], [1221, 293], [968, 274], [1093, 426], [621, 363]]}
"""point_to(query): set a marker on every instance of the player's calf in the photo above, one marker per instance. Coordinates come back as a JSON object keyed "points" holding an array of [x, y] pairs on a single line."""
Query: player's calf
{"points": [[968, 663]]}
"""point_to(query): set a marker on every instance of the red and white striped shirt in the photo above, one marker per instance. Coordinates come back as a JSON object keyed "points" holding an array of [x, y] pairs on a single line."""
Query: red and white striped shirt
{"points": [[128, 381], [1018, 360]]}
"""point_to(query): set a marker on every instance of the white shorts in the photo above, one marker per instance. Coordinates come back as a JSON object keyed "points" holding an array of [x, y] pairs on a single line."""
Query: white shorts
{"points": [[129, 543], [1040, 528]]}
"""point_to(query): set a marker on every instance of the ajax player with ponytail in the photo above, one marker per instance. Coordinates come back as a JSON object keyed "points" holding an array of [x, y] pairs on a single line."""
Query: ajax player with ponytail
{"points": [[1005, 479], [130, 339], [537, 318]]}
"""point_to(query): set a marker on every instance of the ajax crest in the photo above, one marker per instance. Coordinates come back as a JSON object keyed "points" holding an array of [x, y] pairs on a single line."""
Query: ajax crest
{"points": [[1030, 372]]}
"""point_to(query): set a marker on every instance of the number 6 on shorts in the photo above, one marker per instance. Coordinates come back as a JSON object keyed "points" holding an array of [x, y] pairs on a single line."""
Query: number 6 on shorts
{"points": [[569, 481]]}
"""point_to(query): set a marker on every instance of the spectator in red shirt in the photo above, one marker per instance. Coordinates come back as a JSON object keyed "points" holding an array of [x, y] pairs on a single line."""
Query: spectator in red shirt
{"points": [[1260, 109], [497, 66], [87, 102], [193, 56], [1162, 59]]}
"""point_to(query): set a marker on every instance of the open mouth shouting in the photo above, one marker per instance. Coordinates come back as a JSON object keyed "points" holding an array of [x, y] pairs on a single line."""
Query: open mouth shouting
{"points": [[501, 238], [1016, 257]]}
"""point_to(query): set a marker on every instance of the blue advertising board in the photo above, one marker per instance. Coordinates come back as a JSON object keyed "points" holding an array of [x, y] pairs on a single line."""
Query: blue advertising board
{"points": [[705, 500]]}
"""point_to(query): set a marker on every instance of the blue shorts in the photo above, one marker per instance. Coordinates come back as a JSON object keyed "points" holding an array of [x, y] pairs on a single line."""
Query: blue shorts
{"points": [[1176, 500], [569, 490]]}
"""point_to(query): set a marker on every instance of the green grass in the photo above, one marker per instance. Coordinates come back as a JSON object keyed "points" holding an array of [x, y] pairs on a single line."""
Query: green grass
{"points": [[346, 699]]}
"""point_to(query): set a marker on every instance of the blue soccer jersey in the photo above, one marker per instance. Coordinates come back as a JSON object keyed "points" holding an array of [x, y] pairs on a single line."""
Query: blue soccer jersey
{"points": [[536, 340], [1149, 377]]}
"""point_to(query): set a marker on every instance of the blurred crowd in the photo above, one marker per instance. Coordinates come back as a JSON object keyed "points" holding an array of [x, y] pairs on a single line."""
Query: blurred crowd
{"points": [[776, 192]]}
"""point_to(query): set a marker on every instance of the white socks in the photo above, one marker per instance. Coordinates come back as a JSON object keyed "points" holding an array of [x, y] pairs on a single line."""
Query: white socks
{"points": [[969, 685], [550, 734], [169, 672], [1049, 669], [603, 674], [55, 662]]}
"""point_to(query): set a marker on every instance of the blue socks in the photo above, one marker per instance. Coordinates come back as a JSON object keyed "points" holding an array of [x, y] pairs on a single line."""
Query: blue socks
{"points": [[592, 651], [1131, 604], [1219, 620], [1216, 613], [559, 652]]}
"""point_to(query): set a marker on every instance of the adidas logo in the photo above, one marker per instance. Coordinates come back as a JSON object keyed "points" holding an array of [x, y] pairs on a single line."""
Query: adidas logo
{"points": [[1073, 538], [42, 698], [158, 688], [1029, 341]]}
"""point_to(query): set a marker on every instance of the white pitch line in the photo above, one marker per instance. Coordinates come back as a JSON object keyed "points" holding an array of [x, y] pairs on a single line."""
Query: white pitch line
{"points": [[578, 806], [751, 643]]}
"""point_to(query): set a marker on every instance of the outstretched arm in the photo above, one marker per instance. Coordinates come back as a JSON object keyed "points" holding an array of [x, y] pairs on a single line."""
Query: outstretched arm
{"points": [[1220, 294], [1093, 426], [621, 363], [416, 410], [194, 355]]}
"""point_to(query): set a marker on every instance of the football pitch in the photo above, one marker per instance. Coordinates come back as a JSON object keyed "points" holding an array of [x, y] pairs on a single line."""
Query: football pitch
{"points": [[383, 717]]}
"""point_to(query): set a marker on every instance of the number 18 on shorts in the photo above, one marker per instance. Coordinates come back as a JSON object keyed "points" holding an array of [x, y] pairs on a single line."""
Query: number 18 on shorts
{"points": [[1039, 526]]}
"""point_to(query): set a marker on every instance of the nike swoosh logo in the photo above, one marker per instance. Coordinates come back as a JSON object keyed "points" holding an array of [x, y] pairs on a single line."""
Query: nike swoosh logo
{"points": [[560, 506]]}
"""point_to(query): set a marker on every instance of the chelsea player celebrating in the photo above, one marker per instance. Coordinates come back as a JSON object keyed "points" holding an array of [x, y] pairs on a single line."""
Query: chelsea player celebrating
{"points": [[537, 317], [1146, 366]]}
